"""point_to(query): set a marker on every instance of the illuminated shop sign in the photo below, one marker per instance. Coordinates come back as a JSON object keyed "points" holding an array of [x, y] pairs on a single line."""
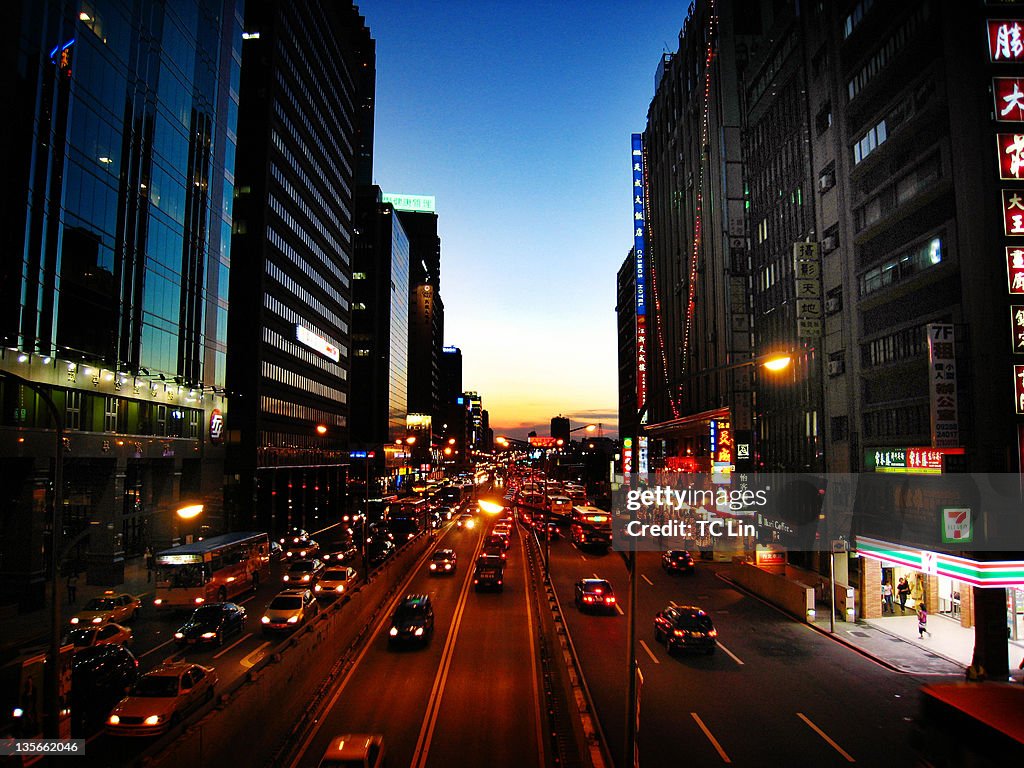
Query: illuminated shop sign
{"points": [[317, 342], [945, 421], [1008, 93], [1015, 270], [1005, 40], [640, 268]]}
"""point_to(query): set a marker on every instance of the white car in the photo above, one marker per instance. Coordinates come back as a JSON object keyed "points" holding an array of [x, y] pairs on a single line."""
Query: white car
{"points": [[335, 581], [162, 698]]}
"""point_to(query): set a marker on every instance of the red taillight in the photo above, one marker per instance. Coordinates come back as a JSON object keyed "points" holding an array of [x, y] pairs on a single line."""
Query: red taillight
{"points": [[609, 599]]}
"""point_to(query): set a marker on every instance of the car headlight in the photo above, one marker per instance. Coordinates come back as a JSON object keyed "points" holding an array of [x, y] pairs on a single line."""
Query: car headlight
{"points": [[265, 620], [114, 720], [418, 632], [317, 588], [287, 578], [302, 553], [179, 635], [97, 620], [158, 601], [209, 635], [433, 566], [293, 619], [340, 588], [394, 632], [152, 720], [305, 577], [74, 619]]}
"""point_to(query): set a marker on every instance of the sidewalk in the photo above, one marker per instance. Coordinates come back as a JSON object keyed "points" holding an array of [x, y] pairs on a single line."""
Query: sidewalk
{"points": [[894, 641], [26, 632]]}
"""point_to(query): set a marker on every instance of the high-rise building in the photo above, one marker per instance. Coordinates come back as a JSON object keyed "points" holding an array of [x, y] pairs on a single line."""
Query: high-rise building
{"points": [[299, 131], [380, 324], [625, 314], [114, 295], [560, 428], [451, 375]]}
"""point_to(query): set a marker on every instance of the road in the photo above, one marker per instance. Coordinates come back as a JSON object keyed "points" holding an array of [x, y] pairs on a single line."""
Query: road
{"points": [[470, 696], [776, 693]]}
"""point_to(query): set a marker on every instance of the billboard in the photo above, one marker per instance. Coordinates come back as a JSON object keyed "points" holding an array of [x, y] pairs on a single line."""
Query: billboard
{"points": [[414, 203]]}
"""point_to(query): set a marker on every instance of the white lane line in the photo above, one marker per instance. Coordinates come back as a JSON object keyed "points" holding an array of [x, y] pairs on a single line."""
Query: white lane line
{"points": [[255, 656], [825, 736], [732, 655], [711, 738], [646, 579], [157, 648], [237, 642], [619, 609], [650, 652]]}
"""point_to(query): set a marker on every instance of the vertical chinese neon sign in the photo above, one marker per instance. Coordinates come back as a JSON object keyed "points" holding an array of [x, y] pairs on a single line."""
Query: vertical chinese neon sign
{"points": [[640, 265]]}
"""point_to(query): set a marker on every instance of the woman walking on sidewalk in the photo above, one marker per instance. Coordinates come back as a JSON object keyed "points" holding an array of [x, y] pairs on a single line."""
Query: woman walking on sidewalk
{"points": [[922, 622]]}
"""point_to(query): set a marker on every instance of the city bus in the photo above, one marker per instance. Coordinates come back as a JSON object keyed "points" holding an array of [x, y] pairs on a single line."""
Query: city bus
{"points": [[591, 527], [406, 518], [212, 570]]}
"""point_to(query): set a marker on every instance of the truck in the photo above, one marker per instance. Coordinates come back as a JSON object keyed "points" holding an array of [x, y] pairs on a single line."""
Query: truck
{"points": [[489, 573]]}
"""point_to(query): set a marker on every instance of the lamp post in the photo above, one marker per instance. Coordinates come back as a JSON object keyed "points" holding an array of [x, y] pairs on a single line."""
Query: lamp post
{"points": [[52, 681], [773, 362]]}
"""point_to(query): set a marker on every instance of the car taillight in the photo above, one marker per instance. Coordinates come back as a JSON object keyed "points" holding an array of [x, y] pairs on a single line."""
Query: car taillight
{"points": [[199, 600], [609, 599], [713, 633]]}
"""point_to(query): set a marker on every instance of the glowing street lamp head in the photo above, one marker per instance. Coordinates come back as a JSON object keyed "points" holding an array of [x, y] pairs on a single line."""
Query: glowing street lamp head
{"points": [[590, 427], [190, 511], [411, 440], [490, 507], [321, 429], [777, 363]]}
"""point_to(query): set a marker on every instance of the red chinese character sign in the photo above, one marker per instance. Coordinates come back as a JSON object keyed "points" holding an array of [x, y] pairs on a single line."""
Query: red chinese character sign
{"points": [[1009, 96], [1005, 40], [641, 361], [1011, 156], [1013, 212], [1018, 389], [1015, 270]]}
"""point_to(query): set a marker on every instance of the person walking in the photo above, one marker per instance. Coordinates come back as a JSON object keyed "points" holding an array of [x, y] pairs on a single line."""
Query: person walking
{"points": [[887, 605], [922, 622], [150, 564], [903, 592], [72, 583]]}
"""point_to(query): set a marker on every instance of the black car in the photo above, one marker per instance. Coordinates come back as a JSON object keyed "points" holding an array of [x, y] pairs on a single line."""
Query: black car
{"points": [[678, 561], [101, 675], [595, 595], [345, 554], [412, 621], [379, 550], [211, 624], [685, 627]]}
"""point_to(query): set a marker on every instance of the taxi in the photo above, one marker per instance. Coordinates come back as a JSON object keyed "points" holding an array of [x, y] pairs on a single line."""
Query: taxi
{"points": [[111, 607], [102, 634]]}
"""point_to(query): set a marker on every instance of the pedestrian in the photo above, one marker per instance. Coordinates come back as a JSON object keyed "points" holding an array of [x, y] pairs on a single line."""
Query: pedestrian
{"points": [[903, 591], [922, 622], [72, 583], [887, 598], [150, 564]]}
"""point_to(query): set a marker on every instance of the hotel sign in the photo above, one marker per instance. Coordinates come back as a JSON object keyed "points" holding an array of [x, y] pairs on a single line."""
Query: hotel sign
{"points": [[316, 342], [640, 268]]}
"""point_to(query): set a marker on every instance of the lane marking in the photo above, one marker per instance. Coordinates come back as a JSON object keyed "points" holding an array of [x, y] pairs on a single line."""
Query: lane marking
{"points": [[157, 648], [711, 738], [732, 655], [419, 756], [255, 656], [646, 579], [650, 652], [237, 642], [367, 645], [619, 609], [825, 736], [534, 668]]}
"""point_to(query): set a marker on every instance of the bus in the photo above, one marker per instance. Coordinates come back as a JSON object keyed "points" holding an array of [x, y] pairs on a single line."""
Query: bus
{"points": [[406, 518], [212, 570], [591, 527]]}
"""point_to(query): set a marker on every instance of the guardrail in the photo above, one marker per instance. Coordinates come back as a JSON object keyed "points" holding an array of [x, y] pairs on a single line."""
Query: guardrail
{"points": [[255, 717]]}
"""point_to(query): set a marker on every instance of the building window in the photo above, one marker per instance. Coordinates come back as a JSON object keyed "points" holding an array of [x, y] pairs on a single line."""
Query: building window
{"points": [[823, 120], [110, 414], [161, 421], [922, 256], [73, 410], [856, 16], [869, 142]]}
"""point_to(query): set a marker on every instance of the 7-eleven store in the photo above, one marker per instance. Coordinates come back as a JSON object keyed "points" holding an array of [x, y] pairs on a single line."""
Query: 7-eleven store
{"points": [[941, 580]]}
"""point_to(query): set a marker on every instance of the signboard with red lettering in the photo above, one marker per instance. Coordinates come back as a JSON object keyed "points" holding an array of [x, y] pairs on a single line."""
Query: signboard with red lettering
{"points": [[1008, 93], [1017, 328], [1018, 389], [1005, 40], [1010, 147], [544, 442], [1015, 270], [641, 361]]}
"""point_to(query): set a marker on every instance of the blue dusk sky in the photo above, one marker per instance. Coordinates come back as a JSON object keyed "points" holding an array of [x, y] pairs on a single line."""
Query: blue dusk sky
{"points": [[516, 117]]}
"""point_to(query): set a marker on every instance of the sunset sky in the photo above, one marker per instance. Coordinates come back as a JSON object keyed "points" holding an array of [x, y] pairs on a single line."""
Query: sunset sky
{"points": [[517, 117]]}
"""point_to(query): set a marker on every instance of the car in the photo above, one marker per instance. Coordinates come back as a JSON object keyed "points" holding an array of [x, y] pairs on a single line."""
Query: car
{"points": [[111, 607], [303, 550], [494, 549], [435, 519], [334, 581], [489, 572], [211, 623], [276, 552], [290, 609], [293, 537], [354, 750], [446, 512], [497, 538], [503, 528], [379, 550], [442, 562], [344, 555], [162, 698], [466, 520], [101, 675], [98, 634], [678, 561], [303, 572], [412, 621], [595, 595], [685, 627], [551, 531]]}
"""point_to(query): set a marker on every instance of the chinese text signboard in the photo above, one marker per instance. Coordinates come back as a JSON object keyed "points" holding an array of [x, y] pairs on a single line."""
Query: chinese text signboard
{"points": [[1008, 93], [640, 266], [1005, 40], [942, 385], [1015, 270], [807, 271]]}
